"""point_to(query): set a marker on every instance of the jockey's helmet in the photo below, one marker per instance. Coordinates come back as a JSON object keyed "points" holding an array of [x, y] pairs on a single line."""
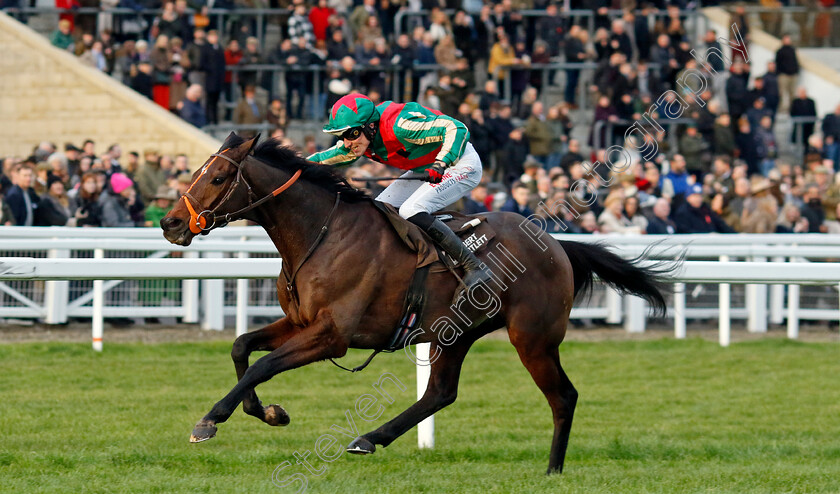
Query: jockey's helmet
{"points": [[352, 114]]}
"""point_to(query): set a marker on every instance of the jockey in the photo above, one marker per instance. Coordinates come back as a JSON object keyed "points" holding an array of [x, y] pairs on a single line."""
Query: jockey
{"points": [[432, 147]]}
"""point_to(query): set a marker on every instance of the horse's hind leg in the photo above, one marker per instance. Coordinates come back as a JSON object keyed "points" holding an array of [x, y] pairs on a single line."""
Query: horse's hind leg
{"points": [[266, 339], [542, 360], [441, 391]]}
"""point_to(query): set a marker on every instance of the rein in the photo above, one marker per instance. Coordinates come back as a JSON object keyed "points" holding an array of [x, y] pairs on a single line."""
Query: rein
{"points": [[198, 221]]}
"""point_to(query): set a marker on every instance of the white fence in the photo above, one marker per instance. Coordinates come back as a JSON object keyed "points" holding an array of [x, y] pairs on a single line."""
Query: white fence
{"points": [[703, 292]]}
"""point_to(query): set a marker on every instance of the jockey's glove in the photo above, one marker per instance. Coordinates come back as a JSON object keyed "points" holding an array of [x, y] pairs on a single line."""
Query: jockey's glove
{"points": [[436, 172]]}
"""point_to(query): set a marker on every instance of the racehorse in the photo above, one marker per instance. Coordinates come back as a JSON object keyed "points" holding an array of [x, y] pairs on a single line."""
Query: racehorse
{"points": [[347, 273]]}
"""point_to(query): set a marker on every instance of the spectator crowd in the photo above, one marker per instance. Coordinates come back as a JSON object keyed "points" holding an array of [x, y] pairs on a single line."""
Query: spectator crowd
{"points": [[719, 168]]}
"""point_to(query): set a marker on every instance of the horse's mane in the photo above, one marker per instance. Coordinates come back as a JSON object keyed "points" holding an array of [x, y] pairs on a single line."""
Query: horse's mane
{"points": [[274, 154]]}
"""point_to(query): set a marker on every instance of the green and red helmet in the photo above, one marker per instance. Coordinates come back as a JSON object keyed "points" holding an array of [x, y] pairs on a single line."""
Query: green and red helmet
{"points": [[350, 112]]}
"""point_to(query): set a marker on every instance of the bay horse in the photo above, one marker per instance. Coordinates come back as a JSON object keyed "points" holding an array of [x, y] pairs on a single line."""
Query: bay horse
{"points": [[347, 273]]}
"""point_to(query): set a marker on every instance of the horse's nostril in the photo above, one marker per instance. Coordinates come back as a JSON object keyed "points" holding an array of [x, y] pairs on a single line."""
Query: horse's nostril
{"points": [[170, 223]]}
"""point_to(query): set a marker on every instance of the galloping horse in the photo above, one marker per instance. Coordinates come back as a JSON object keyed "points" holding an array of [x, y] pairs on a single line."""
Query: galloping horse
{"points": [[347, 274]]}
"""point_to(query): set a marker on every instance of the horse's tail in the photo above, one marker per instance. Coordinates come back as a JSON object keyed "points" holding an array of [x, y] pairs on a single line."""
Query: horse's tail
{"points": [[624, 275]]}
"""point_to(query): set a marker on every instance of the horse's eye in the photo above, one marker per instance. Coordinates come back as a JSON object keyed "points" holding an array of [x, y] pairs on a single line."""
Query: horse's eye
{"points": [[219, 180]]}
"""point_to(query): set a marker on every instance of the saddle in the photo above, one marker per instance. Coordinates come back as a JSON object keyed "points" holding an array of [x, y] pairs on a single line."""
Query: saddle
{"points": [[474, 231]]}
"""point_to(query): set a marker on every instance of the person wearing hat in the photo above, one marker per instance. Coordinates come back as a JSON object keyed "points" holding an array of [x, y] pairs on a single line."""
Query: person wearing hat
{"points": [[433, 148], [162, 204], [117, 202], [695, 216]]}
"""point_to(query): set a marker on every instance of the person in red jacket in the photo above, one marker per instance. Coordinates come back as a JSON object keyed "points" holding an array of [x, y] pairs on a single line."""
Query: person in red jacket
{"points": [[319, 16]]}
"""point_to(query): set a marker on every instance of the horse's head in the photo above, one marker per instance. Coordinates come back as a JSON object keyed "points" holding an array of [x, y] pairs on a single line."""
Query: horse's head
{"points": [[215, 191]]}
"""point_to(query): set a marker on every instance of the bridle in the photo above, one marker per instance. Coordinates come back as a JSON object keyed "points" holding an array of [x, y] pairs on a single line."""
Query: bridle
{"points": [[199, 221]]}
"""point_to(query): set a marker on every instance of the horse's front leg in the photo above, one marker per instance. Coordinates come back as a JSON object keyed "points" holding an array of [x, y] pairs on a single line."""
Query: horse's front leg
{"points": [[315, 342], [441, 392], [266, 339]]}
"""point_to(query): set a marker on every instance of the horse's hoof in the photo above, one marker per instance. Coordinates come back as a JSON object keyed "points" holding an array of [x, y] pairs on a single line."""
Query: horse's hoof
{"points": [[276, 415], [202, 432], [361, 446]]}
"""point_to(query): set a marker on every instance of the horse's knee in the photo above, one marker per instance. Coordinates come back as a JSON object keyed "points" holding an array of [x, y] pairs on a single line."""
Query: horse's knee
{"points": [[240, 351]]}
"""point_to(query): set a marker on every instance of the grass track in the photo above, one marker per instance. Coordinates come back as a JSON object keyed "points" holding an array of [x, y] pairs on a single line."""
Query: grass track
{"points": [[655, 416]]}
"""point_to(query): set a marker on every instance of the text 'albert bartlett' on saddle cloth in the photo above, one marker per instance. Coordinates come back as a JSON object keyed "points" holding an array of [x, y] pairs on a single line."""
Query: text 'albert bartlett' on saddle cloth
{"points": [[475, 236]]}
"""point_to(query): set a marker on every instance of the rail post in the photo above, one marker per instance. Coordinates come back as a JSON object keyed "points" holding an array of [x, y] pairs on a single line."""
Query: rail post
{"points": [[723, 311], [679, 311], [757, 305], [97, 322], [426, 428], [56, 293], [242, 300], [213, 297]]}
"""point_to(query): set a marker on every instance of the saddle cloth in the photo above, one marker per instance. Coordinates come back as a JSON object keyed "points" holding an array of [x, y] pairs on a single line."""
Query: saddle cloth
{"points": [[474, 231]]}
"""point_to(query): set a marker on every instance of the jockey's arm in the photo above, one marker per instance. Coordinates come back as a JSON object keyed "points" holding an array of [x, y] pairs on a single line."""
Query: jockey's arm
{"points": [[337, 155], [426, 128]]}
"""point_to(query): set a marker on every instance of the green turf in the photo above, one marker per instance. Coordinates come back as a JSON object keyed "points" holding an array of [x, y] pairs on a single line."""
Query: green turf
{"points": [[654, 416]]}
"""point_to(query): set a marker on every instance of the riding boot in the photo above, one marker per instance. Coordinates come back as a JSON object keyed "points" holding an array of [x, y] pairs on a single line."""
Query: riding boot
{"points": [[443, 236]]}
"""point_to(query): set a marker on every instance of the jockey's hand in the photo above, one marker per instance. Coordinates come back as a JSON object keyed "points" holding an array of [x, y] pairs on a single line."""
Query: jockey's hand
{"points": [[436, 172]]}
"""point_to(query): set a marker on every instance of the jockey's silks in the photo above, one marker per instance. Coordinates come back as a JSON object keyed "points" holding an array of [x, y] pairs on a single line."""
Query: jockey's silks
{"points": [[410, 137]]}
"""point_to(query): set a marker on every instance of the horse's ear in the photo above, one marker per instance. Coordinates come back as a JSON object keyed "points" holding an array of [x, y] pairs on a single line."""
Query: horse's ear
{"points": [[242, 150]]}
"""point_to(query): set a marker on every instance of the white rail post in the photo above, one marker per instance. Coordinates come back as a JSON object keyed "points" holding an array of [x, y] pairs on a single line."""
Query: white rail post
{"points": [[757, 305], [242, 301], [723, 311], [634, 316], [213, 297], [97, 322], [777, 300], [793, 312], [189, 294], [426, 428], [56, 293], [679, 310], [614, 301]]}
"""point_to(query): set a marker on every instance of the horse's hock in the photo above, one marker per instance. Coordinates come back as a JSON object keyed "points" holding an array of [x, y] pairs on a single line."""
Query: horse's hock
{"points": [[46, 94]]}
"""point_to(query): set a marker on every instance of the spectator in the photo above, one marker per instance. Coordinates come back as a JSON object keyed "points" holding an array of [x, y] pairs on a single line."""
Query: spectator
{"points": [[736, 91], [760, 210], [22, 200], [55, 209], [812, 209], [539, 134], [62, 37], [515, 153], [803, 106], [612, 219], [213, 66], [161, 206], [766, 140], [150, 176], [588, 223], [518, 201], [248, 112], [116, 203], [575, 51], [300, 26], [632, 213], [190, 107], [676, 182], [791, 220], [319, 17], [788, 66], [747, 145], [695, 216], [501, 54], [694, 149], [7, 218], [475, 202], [161, 58], [831, 137], [660, 222], [142, 81], [276, 114]]}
